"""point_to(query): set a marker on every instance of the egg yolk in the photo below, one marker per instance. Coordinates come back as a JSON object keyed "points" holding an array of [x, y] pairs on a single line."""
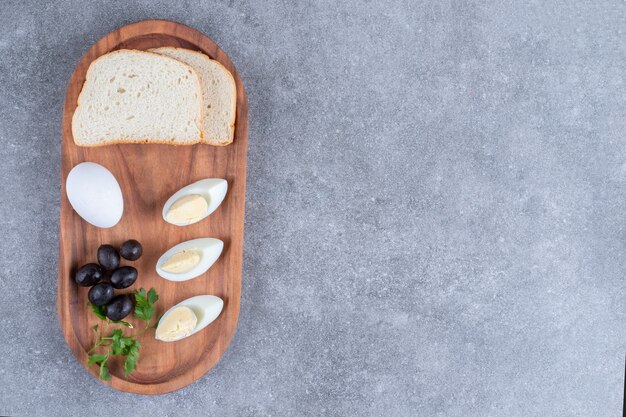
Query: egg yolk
{"points": [[180, 322], [187, 209], [181, 262]]}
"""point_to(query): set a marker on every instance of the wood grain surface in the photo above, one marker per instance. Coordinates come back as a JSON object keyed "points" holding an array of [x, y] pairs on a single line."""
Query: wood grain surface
{"points": [[148, 175]]}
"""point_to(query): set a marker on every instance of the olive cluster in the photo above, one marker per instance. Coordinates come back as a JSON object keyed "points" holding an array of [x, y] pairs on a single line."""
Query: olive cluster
{"points": [[102, 293]]}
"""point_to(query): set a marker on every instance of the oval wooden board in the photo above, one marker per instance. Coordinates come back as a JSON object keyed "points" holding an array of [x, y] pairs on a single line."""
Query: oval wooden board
{"points": [[148, 175]]}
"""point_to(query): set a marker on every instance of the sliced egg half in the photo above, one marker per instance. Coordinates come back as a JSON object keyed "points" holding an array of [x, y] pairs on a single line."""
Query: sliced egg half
{"points": [[195, 202], [188, 317], [189, 259]]}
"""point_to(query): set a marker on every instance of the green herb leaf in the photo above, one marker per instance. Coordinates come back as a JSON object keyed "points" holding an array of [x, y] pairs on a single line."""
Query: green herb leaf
{"points": [[104, 372], [141, 295], [121, 345], [115, 334], [99, 311], [144, 312], [152, 296], [116, 343], [144, 309], [97, 358], [115, 337], [130, 364]]}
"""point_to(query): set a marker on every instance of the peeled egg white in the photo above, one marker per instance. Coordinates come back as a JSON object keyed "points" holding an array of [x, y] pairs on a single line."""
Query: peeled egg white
{"points": [[95, 194], [206, 308], [213, 190], [209, 248]]}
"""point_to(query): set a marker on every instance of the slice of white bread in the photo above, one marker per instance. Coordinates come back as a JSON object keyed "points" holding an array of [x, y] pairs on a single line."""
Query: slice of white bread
{"points": [[219, 94], [138, 97]]}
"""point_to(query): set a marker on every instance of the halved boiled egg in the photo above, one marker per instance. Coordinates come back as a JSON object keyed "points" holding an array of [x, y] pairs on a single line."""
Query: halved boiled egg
{"points": [[194, 202], [189, 259], [188, 317]]}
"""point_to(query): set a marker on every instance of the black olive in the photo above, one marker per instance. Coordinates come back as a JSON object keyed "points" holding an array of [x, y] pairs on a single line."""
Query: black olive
{"points": [[108, 257], [119, 307], [131, 250], [123, 277], [88, 275], [100, 294]]}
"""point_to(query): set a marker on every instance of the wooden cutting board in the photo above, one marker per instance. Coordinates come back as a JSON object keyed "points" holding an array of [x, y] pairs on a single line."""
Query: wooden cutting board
{"points": [[148, 176]]}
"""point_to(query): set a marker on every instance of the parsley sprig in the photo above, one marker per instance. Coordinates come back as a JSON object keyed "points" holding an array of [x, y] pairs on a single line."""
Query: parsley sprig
{"points": [[112, 343]]}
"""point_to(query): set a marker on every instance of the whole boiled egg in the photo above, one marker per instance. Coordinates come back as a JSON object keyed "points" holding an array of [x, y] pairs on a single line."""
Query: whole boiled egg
{"points": [[189, 259], [188, 317], [194, 202], [95, 194]]}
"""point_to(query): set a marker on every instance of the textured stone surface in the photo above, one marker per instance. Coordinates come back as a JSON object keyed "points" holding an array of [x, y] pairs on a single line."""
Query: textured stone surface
{"points": [[435, 216]]}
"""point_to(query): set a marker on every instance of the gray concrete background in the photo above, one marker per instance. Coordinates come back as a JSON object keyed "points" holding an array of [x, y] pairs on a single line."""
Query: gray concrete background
{"points": [[435, 210]]}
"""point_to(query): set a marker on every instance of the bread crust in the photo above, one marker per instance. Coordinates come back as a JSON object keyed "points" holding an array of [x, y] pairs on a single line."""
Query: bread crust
{"points": [[126, 141], [135, 141]]}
